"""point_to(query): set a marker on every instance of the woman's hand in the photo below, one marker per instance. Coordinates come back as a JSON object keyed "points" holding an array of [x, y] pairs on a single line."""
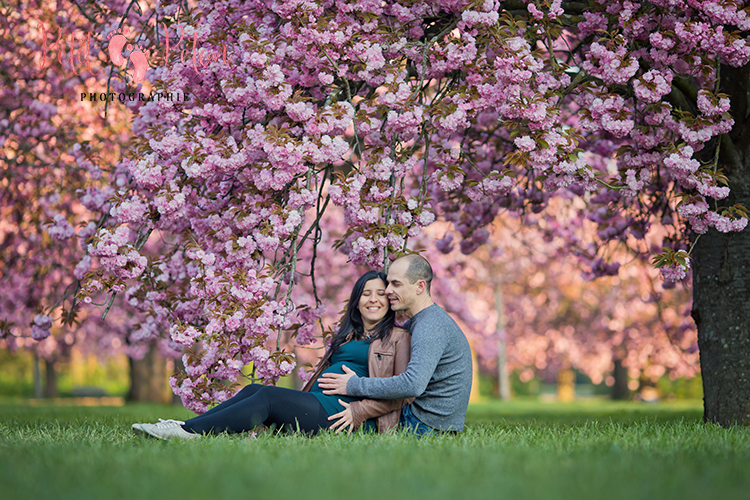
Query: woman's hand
{"points": [[344, 419]]}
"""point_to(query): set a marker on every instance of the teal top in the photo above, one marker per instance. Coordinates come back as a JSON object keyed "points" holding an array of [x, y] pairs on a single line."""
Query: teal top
{"points": [[353, 354]]}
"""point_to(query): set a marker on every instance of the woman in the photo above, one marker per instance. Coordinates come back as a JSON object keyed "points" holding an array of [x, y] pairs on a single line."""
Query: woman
{"points": [[367, 342]]}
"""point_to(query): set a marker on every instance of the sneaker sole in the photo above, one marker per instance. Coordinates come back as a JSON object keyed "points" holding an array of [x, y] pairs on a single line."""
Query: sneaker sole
{"points": [[139, 430]]}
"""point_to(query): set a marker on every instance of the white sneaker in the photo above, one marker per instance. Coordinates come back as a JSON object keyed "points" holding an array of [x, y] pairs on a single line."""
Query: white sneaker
{"points": [[165, 429]]}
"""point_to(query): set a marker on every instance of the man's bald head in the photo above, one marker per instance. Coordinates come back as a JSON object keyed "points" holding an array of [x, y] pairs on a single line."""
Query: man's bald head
{"points": [[418, 269]]}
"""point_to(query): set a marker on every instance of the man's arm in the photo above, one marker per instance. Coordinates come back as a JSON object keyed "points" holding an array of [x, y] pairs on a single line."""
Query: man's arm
{"points": [[426, 351]]}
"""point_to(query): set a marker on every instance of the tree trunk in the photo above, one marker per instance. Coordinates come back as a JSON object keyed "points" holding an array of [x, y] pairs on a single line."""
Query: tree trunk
{"points": [[721, 278], [566, 385], [620, 389], [148, 378], [50, 377], [38, 394], [503, 380]]}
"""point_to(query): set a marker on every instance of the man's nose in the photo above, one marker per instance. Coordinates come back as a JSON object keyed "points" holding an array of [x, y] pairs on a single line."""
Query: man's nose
{"points": [[388, 289]]}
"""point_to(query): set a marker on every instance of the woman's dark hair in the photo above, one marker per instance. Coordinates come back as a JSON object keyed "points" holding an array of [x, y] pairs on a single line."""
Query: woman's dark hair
{"points": [[352, 320]]}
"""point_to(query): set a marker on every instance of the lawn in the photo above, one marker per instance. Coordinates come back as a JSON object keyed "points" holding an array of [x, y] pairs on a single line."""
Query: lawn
{"points": [[516, 450]]}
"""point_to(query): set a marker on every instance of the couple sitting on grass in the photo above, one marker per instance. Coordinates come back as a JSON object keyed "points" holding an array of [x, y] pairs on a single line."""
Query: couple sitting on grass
{"points": [[375, 374]]}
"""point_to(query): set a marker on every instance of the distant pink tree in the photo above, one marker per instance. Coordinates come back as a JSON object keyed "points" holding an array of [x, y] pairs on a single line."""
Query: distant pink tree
{"points": [[59, 158], [553, 317]]}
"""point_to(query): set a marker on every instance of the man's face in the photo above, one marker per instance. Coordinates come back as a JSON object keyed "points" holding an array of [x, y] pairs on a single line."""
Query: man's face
{"points": [[401, 294]]}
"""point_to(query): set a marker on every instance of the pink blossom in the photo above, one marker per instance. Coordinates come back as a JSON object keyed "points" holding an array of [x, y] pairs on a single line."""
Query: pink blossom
{"points": [[449, 181], [285, 367], [445, 244], [258, 60], [305, 376], [681, 164], [675, 272], [611, 66], [40, 327], [594, 22], [300, 111], [534, 11], [82, 267], [86, 232], [635, 184], [710, 105], [61, 230], [525, 143], [471, 18], [652, 86], [725, 224], [425, 218], [325, 78], [306, 335], [555, 9], [132, 210], [186, 336], [713, 191], [693, 208]]}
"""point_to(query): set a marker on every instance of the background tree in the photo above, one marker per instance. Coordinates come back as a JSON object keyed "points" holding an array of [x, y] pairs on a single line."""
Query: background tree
{"points": [[556, 318], [59, 163]]}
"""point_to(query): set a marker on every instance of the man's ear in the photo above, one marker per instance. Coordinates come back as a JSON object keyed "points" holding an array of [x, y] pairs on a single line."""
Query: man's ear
{"points": [[421, 287]]}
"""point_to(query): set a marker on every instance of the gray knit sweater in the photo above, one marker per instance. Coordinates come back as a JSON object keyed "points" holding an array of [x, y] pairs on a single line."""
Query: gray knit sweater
{"points": [[438, 375]]}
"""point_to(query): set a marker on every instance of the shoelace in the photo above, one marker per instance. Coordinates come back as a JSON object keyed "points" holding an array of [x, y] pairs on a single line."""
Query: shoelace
{"points": [[163, 424]]}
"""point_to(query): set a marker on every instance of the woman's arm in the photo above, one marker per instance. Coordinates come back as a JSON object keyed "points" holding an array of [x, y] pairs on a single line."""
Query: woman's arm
{"points": [[370, 408]]}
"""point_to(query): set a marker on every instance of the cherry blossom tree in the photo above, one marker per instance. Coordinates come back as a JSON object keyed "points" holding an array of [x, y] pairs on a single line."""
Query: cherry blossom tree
{"points": [[403, 111]]}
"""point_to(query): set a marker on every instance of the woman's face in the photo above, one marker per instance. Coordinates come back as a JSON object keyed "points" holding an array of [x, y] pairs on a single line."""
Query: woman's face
{"points": [[373, 303]]}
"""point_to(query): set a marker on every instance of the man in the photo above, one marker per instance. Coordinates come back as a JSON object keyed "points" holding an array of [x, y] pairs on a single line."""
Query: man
{"points": [[439, 372]]}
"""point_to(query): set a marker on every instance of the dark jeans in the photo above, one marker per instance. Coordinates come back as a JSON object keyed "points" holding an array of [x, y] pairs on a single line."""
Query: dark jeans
{"points": [[258, 404], [410, 421]]}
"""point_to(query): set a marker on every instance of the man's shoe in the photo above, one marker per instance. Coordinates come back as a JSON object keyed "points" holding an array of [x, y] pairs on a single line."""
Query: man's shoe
{"points": [[166, 430]]}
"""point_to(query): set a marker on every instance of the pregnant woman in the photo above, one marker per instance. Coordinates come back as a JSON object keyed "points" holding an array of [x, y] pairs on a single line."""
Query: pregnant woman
{"points": [[367, 342]]}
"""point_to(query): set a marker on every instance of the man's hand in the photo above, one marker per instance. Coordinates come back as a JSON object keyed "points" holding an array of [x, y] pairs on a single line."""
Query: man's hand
{"points": [[345, 419], [335, 383]]}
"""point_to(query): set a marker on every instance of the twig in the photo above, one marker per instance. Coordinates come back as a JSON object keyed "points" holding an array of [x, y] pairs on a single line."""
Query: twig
{"points": [[692, 245], [610, 186], [109, 305]]}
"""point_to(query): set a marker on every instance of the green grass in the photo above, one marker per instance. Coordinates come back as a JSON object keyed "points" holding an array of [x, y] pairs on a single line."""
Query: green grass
{"points": [[596, 450]]}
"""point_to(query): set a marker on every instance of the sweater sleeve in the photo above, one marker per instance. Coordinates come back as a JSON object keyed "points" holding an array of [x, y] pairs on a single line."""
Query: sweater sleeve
{"points": [[427, 345]]}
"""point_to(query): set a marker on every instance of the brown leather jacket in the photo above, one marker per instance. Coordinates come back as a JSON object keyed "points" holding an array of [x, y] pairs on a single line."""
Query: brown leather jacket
{"points": [[383, 360]]}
